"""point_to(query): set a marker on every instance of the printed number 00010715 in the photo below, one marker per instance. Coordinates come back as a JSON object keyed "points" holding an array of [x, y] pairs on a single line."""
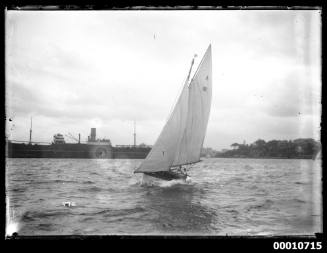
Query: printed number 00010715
{"points": [[297, 245]]}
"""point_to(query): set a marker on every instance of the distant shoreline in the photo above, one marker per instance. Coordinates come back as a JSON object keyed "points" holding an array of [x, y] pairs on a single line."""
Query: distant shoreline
{"points": [[305, 158], [303, 148]]}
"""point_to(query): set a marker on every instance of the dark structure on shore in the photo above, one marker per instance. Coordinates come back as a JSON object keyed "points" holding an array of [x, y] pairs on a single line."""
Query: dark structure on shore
{"points": [[92, 149]]}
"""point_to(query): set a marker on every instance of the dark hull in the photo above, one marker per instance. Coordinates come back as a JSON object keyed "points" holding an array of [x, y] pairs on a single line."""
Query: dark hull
{"points": [[166, 175], [130, 152], [80, 151]]}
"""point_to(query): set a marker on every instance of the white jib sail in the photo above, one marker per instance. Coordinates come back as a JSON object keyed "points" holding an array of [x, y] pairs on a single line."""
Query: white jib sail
{"points": [[182, 137]]}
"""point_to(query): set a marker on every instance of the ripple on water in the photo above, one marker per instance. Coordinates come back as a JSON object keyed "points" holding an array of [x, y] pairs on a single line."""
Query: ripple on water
{"points": [[88, 182], [32, 215], [265, 205], [107, 213], [45, 226], [237, 196], [301, 183], [18, 189], [91, 189], [299, 200]]}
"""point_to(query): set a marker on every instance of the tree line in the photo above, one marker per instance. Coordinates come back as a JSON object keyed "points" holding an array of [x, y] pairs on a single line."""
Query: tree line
{"points": [[299, 148]]}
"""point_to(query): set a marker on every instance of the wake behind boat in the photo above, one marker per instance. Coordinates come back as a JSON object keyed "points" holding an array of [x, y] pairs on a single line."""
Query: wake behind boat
{"points": [[179, 143]]}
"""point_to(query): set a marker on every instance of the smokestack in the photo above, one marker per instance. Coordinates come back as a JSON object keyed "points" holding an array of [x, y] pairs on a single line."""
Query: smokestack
{"points": [[93, 134], [79, 138], [31, 132]]}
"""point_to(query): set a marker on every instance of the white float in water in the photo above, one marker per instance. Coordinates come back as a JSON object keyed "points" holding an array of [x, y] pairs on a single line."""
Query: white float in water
{"points": [[68, 203], [188, 179]]}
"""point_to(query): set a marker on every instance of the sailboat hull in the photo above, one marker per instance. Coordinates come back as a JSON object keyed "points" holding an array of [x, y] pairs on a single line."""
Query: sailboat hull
{"points": [[167, 175]]}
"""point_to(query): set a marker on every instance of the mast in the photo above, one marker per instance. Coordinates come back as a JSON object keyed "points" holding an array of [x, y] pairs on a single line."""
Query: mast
{"points": [[31, 132], [134, 134], [192, 63], [185, 83]]}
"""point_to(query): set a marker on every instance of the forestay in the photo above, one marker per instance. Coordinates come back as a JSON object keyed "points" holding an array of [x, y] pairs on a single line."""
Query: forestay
{"points": [[182, 137]]}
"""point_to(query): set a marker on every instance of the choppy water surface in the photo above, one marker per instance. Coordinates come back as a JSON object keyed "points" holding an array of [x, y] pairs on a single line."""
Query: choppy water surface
{"points": [[226, 196]]}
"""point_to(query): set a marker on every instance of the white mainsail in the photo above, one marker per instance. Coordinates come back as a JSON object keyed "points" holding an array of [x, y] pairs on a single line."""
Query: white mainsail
{"points": [[182, 137]]}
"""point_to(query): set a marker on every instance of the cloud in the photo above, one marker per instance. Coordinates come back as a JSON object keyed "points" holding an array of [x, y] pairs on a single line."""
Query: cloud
{"points": [[284, 34], [292, 96], [74, 70]]}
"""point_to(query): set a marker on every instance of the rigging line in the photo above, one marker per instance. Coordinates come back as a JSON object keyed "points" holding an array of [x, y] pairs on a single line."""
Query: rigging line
{"points": [[176, 100], [181, 89], [189, 73], [204, 56]]}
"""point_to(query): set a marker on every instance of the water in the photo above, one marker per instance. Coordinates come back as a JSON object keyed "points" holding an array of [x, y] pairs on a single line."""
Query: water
{"points": [[225, 196]]}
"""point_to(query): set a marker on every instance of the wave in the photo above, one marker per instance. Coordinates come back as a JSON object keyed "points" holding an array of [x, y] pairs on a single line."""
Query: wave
{"points": [[233, 211], [45, 226], [248, 167], [65, 181], [28, 174], [151, 181], [120, 212], [299, 200], [56, 181], [171, 183], [236, 180], [94, 173], [263, 206], [18, 190], [88, 182], [253, 187], [91, 189], [19, 180], [35, 215], [87, 219], [301, 182]]}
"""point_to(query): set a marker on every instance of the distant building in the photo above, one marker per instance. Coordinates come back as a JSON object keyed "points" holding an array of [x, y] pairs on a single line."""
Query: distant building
{"points": [[58, 139]]}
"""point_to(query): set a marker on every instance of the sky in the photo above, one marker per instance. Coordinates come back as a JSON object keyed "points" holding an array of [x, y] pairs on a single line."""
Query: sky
{"points": [[74, 70]]}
